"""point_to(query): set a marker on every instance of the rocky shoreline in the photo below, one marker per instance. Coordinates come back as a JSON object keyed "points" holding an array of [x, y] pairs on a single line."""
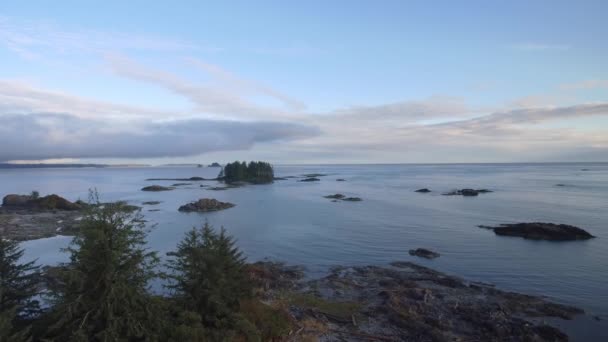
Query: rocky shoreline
{"points": [[404, 302]]}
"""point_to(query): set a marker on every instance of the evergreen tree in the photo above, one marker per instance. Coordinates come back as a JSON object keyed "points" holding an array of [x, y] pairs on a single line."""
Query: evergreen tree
{"points": [[208, 278], [104, 293], [254, 172], [18, 282]]}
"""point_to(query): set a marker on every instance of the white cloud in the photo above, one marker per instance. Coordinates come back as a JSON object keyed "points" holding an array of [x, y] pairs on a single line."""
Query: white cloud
{"points": [[225, 97]]}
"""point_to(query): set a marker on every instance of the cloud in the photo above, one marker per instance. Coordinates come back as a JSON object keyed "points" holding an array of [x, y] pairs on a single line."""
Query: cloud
{"points": [[21, 97], [540, 47], [37, 136], [225, 96], [408, 111], [585, 85], [34, 39]]}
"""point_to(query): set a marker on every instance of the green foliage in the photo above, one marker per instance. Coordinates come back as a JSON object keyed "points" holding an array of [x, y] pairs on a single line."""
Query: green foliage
{"points": [[18, 283], [103, 296], [35, 194], [270, 322], [208, 277], [254, 172]]}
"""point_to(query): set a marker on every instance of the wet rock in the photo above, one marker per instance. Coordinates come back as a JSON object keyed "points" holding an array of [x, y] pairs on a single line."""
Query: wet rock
{"points": [[467, 192], [50, 202], [541, 231], [415, 303], [14, 200], [205, 205], [335, 196], [156, 188], [191, 179], [181, 184], [352, 199], [423, 190], [313, 175], [340, 180], [310, 179], [424, 253], [151, 203]]}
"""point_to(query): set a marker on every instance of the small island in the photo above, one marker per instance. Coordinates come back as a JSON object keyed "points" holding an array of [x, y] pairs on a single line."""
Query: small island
{"points": [[215, 164], [205, 205], [255, 172], [156, 188]]}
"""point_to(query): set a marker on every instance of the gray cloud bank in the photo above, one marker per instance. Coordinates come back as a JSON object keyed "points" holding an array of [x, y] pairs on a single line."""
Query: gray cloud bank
{"points": [[38, 136]]}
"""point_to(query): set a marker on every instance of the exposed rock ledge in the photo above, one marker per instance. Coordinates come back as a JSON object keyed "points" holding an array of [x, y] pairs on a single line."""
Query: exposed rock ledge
{"points": [[424, 253], [467, 192], [405, 303], [541, 231]]}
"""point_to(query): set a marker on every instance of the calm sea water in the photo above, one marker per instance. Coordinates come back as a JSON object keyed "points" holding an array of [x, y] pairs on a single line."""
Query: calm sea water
{"points": [[291, 221]]}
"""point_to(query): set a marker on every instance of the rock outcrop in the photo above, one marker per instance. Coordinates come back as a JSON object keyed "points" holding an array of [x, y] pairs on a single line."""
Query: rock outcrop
{"points": [[310, 179], [423, 190], [50, 202], [541, 231], [156, 188], [352, 199], [424, 253], [205, 205], [467, 192]]}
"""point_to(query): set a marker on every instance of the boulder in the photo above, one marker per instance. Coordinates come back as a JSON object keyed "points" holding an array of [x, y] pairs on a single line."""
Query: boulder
{"points": [[423, 190], [310, 179], [313, 175], [335, 196], [204, 205], [541, 231], [14, 200], [54, 202], [340, 180], [424, 253], [156, 188], [352, 199], [467, 192], [50, 202]]}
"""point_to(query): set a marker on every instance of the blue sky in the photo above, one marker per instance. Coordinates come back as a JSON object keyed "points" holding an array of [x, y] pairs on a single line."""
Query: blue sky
{"points": [[310, 82]]}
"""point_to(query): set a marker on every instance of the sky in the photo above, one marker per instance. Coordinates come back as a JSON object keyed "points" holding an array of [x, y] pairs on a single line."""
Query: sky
{"points": [[301, 82]]}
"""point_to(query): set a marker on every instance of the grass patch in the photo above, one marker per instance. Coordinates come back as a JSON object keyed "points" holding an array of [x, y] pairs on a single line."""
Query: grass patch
{"points": [[341, 309]]}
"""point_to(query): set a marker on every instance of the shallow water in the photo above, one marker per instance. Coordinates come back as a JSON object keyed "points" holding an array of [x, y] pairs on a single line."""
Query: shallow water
{"points": [[291, 221]]}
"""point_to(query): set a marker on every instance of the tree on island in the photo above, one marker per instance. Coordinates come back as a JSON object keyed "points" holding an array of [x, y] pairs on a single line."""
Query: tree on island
{"points": [[254, 172], [103, 290], [18, 286]]}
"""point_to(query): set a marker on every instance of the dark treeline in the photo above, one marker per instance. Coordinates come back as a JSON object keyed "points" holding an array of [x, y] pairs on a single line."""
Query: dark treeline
{"points": [[102, 293], [254, 172]]}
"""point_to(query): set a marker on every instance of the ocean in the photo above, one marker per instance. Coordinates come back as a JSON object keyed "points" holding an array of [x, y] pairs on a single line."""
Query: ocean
{"points": [[290, 221]]}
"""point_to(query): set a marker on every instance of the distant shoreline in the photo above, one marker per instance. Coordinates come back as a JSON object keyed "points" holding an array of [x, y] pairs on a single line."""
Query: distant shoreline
{"points": [[91, 165]]}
